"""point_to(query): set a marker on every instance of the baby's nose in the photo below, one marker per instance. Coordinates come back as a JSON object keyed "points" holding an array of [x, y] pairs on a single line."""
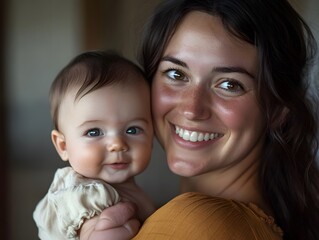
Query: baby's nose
{"points": [[117, 144]]}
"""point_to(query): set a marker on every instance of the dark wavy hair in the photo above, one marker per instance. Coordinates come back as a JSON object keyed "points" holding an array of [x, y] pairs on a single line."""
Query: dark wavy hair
{"points": [[288, 172]]}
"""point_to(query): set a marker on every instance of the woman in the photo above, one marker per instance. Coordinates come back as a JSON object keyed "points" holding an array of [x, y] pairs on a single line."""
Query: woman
{"points": [[231, 112]]}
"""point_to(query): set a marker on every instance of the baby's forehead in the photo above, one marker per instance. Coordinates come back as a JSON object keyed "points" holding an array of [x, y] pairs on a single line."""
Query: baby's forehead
{"points": [[132, 98], [138, 91], [134, 80]]}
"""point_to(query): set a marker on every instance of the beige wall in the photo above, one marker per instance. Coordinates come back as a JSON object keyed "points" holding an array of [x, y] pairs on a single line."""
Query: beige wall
{"points": [[41, 36]]}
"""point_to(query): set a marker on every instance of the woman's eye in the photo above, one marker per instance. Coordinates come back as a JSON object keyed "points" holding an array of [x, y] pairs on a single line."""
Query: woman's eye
{"points": [[134, 130], [175, 74], [95, 132], [231, 86]]}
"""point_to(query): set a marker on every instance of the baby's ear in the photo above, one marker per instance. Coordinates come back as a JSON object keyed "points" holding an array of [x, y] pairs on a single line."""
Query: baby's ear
{"points": [[59, 144]]}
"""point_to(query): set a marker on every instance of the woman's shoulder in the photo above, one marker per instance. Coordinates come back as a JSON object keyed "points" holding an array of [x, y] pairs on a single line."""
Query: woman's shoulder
{"points": [[197, 216]]}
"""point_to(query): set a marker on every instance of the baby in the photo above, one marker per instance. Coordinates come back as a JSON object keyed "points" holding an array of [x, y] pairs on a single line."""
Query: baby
{"points": [[100, 105]]}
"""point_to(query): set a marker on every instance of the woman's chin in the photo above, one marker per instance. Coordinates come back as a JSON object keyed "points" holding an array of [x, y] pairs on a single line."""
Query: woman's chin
{"points": [[183, 168]]}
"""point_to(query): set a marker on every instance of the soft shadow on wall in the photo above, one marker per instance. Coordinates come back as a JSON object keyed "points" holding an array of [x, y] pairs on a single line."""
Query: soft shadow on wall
{"points": [[3, 128]]}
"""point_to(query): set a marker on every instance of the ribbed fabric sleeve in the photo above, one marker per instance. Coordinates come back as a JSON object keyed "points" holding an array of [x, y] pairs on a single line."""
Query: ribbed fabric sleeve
{"points": [[196, 216]]}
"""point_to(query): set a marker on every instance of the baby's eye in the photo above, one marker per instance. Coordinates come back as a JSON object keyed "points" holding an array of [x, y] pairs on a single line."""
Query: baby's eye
{"points": [[94, 132], [175, 74], [134, 130]]}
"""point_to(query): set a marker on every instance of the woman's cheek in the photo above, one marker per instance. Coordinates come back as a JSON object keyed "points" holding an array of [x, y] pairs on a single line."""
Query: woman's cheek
{"points": [[162, 100], [237, 114], [162, 104]]}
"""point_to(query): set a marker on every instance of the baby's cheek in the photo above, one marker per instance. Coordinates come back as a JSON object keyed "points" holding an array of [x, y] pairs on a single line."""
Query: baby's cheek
{"points": [[92, 155]]}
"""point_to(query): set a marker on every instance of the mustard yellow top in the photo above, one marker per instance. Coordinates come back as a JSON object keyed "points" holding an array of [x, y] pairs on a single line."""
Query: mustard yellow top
{"points": [[197, 216]]}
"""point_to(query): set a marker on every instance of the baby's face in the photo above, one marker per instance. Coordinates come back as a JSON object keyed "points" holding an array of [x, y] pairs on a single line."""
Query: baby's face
{"points": [[108, 132]]}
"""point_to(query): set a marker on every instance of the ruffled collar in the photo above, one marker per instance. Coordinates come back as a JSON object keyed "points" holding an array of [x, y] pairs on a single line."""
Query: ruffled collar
{"points": [[266, 218]]}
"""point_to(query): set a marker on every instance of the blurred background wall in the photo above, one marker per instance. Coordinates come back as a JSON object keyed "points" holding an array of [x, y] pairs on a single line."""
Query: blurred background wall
{"points": [[39, 38]]}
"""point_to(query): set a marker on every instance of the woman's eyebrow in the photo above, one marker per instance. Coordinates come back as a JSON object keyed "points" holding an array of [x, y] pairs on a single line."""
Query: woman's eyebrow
{"points": [[233, 70], [175, 61], [228, 69]]}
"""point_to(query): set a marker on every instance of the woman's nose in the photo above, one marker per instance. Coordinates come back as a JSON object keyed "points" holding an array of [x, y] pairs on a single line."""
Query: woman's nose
{"points": [[195, 104], [117, 144]]}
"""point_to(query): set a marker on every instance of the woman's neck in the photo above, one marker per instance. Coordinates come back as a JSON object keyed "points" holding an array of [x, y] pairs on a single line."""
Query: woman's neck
{"points": [[240, 183]]}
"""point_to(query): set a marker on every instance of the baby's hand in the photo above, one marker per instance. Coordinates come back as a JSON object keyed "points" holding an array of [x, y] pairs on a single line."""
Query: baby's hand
{"points": [[116, 223]]}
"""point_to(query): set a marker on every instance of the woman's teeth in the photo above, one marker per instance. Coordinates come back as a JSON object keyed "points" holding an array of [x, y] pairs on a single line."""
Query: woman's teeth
{"points": [[194, 136]]}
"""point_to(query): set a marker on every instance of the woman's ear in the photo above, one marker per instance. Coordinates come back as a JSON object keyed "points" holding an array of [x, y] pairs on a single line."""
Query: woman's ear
{"points": [[59, 144]]}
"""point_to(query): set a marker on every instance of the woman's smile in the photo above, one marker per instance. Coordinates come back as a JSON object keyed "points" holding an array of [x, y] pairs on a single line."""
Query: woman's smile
{"points": [[195, 136]]}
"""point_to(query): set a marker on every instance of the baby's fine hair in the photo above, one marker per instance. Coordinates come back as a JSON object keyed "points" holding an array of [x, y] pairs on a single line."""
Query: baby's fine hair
{"points": [[88, 72]]}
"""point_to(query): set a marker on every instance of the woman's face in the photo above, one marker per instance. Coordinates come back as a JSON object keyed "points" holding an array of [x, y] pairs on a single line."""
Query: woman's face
{"points": [[204, 102]]}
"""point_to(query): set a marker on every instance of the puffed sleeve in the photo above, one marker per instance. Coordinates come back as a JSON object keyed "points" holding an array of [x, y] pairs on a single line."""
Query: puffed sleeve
{"points": [[71, 200]]}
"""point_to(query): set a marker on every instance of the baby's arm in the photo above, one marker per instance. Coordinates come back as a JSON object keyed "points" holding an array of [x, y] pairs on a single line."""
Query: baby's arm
{"points": [[119, 222], [115, 223], [130, 191]]}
